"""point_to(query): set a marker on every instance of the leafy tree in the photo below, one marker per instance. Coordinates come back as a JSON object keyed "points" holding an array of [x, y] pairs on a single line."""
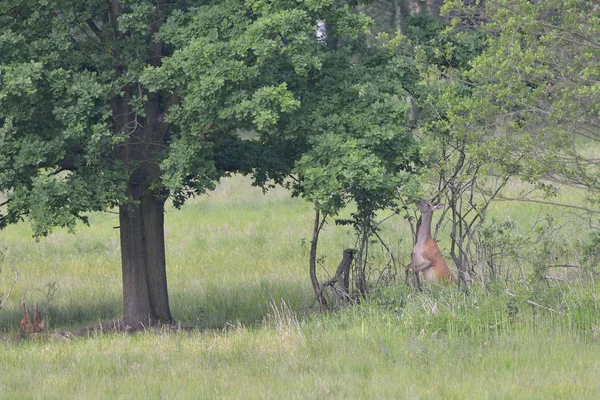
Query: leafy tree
{"points": [[538, 81], [395, 15], [128, 103], [361, 150], [330, 113], [462, 167], [522, 108], [80, 133]]}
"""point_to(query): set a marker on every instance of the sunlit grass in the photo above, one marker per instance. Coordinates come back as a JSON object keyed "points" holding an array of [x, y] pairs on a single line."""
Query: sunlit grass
{"points": [[237, 269]]}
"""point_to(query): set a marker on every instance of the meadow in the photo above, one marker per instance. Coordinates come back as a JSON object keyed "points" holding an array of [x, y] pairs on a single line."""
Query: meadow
{"points": [[240, 292]]}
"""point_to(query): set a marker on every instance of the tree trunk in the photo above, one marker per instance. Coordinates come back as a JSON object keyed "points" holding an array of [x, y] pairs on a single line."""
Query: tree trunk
{"points": [[137, 311], [312, 268], [433, 8], [414, 6], [141, 216], [398, 15], [342, 277], [145, 294], [153, 221]]}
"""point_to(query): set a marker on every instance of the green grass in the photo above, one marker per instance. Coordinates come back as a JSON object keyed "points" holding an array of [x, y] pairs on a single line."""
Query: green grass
{"points": [[365, 352], [238, 275]]}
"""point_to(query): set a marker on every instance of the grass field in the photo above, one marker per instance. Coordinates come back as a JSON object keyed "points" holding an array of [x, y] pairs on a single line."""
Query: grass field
{"points": [[237, 270]]}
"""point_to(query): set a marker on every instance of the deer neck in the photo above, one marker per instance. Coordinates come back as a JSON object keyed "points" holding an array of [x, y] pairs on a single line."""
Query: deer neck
{"points": [[424, 233]]}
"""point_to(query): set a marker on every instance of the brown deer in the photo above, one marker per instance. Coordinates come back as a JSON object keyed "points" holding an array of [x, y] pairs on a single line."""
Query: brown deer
{"points": [[26, 327], [426, 257], [38, 323]]}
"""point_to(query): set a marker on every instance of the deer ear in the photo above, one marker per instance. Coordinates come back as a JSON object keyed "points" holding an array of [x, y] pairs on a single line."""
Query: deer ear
{"points": [[438, 206]]}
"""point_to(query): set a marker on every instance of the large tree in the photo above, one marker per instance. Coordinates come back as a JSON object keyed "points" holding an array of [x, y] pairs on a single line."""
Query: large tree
{"points": [[81, 133], [343, 136], [127, 103]]}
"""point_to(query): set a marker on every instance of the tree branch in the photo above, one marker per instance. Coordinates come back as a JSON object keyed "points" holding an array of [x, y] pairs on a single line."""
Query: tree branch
{"points": [[92, 25]]}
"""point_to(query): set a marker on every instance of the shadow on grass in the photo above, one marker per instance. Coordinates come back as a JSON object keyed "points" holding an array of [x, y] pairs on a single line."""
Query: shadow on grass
{"points": [[212, 307], [63, 316], [218, 307]]}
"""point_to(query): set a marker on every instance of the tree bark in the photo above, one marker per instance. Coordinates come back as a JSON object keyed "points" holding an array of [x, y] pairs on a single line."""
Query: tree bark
{"points": [[137, 311], [154, 246], [342, 277], [433, 8], [145, 293]]}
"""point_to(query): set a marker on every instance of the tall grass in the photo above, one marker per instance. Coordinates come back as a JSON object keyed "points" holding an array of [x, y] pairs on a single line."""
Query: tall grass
{"points": [[364, 352], [237, 270]]}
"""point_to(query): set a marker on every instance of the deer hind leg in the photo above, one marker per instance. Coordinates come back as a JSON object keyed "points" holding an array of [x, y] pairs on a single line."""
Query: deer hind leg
{"points": [[415, 272], [406, 269], [417, 268], [418, 278]]}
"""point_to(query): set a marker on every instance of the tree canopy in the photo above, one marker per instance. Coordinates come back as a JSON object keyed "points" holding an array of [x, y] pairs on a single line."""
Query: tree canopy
{"points": [[537, 81], [129, 103]]}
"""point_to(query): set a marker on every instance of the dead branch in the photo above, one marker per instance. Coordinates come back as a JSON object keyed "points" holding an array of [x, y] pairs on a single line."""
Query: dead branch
{"points": [[25, 327], [38, 323], [564, 266], [387, 248]]}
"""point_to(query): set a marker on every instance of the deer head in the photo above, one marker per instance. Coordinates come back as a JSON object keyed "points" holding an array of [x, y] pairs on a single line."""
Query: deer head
{"points": [[426, 207]]}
